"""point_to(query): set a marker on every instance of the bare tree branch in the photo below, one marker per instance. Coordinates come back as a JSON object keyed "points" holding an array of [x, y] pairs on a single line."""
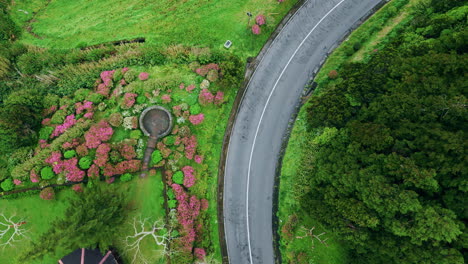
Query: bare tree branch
{"points": [[11, 230], [142, 229]]}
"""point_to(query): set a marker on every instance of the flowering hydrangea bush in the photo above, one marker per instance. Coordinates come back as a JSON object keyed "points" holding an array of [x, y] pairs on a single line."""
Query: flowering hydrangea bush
{"points": [[143, 76], [98, 133], [256, 29], [260, 20], [60, 129], [129, 100], [47, 193], [196, 119], [205, 97], [189, 177]]}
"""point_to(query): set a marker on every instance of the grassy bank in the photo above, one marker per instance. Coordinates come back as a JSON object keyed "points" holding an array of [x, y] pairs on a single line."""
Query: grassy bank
{"points": [[371, 35], [65, 24]]}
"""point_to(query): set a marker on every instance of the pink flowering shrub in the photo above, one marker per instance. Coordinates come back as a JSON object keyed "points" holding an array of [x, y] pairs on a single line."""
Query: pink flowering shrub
{"points": [[189, 177], [125, 69], [93, 172], [199, 253], [46, 122], [60, 129], [17, 182], [204, 204], [43, 143], [74, 174], [81, 107], [106, 77], [127, 151], [205, 97], [98, 133], [55, 159], [260, 20], [78, 188], [196, 119], [89, 115], [181, 86], [190, 88], [187, 211], [102, 154], [129, 100], [33, 176], [219, 98], [166, 98], [198, 159], [256, 29], [143, 76], [47, 193], [203, 71]]}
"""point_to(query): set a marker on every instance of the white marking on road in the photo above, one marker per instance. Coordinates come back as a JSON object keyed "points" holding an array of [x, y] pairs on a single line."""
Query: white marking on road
{"points": [[261, 118]]}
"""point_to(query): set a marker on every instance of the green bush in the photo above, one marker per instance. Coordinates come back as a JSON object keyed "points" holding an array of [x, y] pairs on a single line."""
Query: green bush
{"points": [[130, 75], [170, 140], [58, 117], [95, 98], [136, 134], [85, 162], [47, 173], [172, 204], [195, 109], [7, 185], [156, 157], [175, 233], [81, 94], [178, 177], [141, 99], [69, 154], [126, 177], [170, 194]]}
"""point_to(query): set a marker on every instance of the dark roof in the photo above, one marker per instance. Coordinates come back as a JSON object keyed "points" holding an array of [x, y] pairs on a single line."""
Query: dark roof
{"points": [[91, 256]]}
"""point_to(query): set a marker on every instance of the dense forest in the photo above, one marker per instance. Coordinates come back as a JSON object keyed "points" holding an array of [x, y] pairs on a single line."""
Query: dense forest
{"points": [[386, 164]]}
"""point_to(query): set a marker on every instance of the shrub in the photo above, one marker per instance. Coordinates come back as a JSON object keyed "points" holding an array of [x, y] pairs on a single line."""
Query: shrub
{"points": [[256, 30], [195, 109], [115, 119], [69, 154], [7, 185], [58, 117], [260, 20], [81, 94], [169, 140], [95, 97], [156, 157], [143, 76], [130, 75], [172, 204], [126, 177], [333, 74], [170, 194], [178, 177], [85, 162], [47, 193], [141, 99], [357, 46], [136, 134], [45, 132], [47, 173]]}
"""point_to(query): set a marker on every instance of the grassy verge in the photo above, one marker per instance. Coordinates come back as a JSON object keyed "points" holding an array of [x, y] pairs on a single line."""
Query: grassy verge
{"points": [[65, 24], [371, 35]]}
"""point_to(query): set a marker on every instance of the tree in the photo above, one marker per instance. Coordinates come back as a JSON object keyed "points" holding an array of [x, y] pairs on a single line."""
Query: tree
{"points": [[154, 231], [11, 230], [89, 222]]}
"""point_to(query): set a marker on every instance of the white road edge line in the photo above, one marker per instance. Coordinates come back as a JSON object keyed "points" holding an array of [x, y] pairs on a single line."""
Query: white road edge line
{"points": [[261, 118]]}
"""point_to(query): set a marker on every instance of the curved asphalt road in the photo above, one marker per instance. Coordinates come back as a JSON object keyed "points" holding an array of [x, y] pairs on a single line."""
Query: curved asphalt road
{"points": [[263, 117]]}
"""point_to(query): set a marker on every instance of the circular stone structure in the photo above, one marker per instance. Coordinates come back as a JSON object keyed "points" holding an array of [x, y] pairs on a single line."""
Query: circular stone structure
{"points": [[156, 121]]}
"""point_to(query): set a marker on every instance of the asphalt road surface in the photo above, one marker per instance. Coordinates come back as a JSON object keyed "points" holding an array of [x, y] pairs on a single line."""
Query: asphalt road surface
{"points": [[263, 117]]}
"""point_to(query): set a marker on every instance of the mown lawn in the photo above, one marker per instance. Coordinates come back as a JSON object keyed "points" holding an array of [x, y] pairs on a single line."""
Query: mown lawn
{"points": [[38, 215], [66, 24]]}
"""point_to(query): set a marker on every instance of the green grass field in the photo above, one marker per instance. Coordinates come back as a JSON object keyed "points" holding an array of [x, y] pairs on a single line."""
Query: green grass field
{"points": [[376, 32], [38, 215], [65, 24]]}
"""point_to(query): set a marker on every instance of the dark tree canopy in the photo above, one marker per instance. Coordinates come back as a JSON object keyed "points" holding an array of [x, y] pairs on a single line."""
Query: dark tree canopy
{"points": [[386, 163]]}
